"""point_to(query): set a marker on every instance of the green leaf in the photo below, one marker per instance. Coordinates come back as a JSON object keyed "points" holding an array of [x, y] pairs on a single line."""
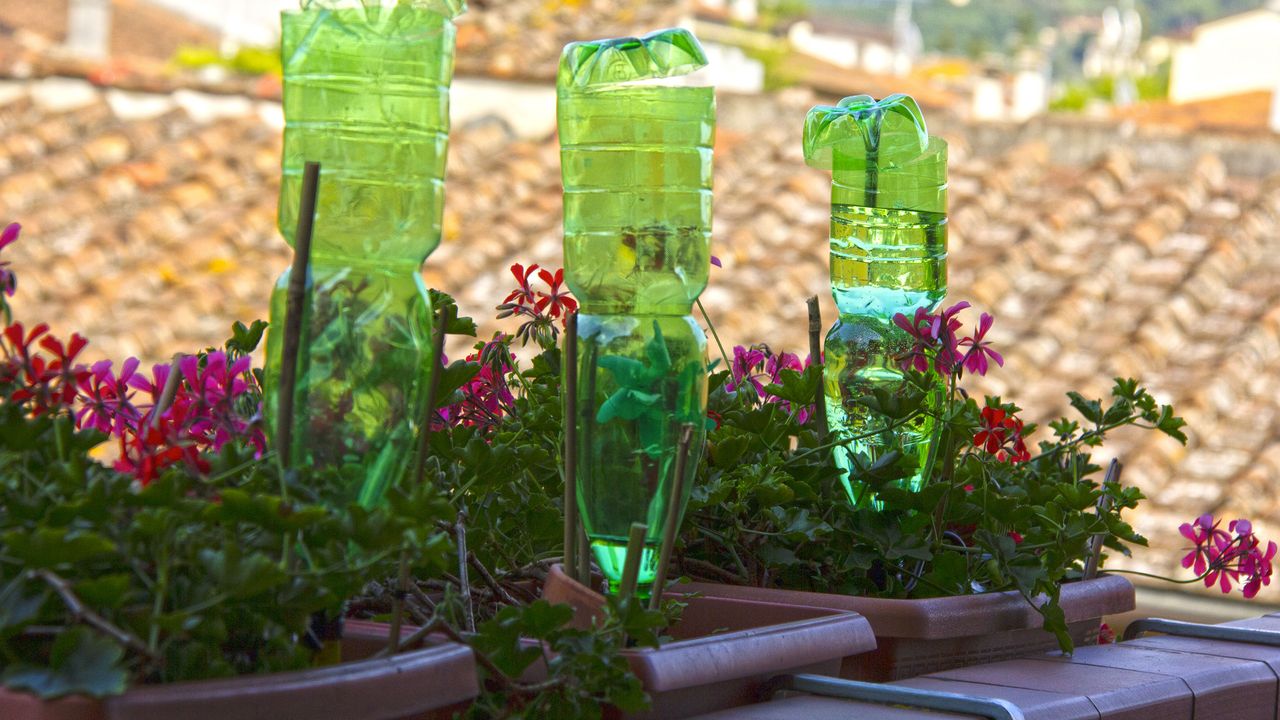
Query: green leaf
{"points": [[20, 605], [80, 663], [1090, 409], [108, 591], [51, 547]]}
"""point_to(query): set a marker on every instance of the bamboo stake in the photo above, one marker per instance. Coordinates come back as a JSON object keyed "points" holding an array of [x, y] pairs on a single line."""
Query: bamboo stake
{"points": [[631, 567], [297, 296], [1095, 543], [584, 556], [815, 355], [674, 501], [397, 603], [570, 359], [464, 578]]}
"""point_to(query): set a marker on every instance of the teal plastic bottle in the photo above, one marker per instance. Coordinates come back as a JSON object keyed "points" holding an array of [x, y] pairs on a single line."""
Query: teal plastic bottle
{"points": [[366, 94], [636, 164], [888, 256]]}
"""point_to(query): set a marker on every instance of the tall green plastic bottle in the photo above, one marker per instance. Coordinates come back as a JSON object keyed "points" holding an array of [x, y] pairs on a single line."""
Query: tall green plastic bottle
{"points": [[366, 94], [636, 163], [888, 256]]}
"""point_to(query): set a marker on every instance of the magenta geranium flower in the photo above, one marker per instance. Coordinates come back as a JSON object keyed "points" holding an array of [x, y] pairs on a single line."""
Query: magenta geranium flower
{"points": [[976, 358], [8, 280]]}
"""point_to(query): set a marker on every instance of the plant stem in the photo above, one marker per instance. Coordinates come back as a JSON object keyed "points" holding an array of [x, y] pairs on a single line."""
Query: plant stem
{"points": [[711, 326], [82, 613], [433, 389]]}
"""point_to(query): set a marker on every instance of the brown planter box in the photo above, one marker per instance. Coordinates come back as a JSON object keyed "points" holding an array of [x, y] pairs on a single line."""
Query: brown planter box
{"points": [[726, 649], [916, 637], [428, 684]]}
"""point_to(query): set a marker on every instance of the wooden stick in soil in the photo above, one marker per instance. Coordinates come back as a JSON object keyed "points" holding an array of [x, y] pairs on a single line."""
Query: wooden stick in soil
{"points": [[296, 298], [433, 389], [673, 516], [168, 392], [571, 446], [464, 579], [397, 603], [631, 567], [1095, 543], [815, 355], [584, 556]]}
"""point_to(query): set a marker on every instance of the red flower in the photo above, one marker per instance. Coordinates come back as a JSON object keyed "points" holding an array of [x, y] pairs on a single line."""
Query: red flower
{"points": [[558, 301], [1001, 435], [995, 429], [1016, 536], [1106, 636], [523, 294]]}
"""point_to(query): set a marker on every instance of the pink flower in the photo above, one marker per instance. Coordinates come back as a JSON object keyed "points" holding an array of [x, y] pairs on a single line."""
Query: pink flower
{"points": [[8, 280], [975, 360], [920, 330], [1223, 557], [105, 399]]}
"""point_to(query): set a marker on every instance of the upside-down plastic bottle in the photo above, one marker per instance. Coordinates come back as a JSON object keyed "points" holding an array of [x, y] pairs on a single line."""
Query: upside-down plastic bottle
{"points": [[888, 256], [366, 95], [636, 164]]}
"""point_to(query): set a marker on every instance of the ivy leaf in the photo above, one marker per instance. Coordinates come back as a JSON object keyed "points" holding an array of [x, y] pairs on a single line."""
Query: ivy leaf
{"points": [[1090, 409], [244, 340], [1171, 425], [80, 663], [797, 387]]}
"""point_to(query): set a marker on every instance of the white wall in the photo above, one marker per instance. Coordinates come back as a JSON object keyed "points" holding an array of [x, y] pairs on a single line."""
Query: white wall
{"points": [[1231, 56], [839, 51]]}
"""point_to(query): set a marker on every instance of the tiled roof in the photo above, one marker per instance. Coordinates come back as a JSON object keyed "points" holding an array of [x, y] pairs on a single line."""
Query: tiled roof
{"points": [[153, 235], [139, 29], [1245, 112]]}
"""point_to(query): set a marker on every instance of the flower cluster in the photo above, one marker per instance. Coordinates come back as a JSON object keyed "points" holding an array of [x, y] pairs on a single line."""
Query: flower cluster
{"points": [[938, 344], [1222, 557], [8, 280], [214, 399], [541, 308], [1001, 435], [938, 337], [757, 367], [486, 397]]}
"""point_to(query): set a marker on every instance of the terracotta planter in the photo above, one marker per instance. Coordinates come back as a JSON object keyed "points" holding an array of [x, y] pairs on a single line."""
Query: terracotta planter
{"points": [[726, 649], [915, 637], [428, 684]]}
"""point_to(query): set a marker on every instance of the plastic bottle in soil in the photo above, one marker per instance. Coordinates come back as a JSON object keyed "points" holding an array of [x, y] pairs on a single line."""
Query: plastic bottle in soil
{"points": [[888, 256], [366, 94], [636, 165]]}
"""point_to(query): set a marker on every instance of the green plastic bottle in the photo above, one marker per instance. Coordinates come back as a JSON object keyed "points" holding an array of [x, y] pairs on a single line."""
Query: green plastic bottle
{"points": [[636, 164], [366, 94], [888, 256]]}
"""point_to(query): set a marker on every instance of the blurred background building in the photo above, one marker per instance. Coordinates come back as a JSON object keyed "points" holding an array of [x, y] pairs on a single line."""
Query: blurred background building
{"points": [[1115, 188]]}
